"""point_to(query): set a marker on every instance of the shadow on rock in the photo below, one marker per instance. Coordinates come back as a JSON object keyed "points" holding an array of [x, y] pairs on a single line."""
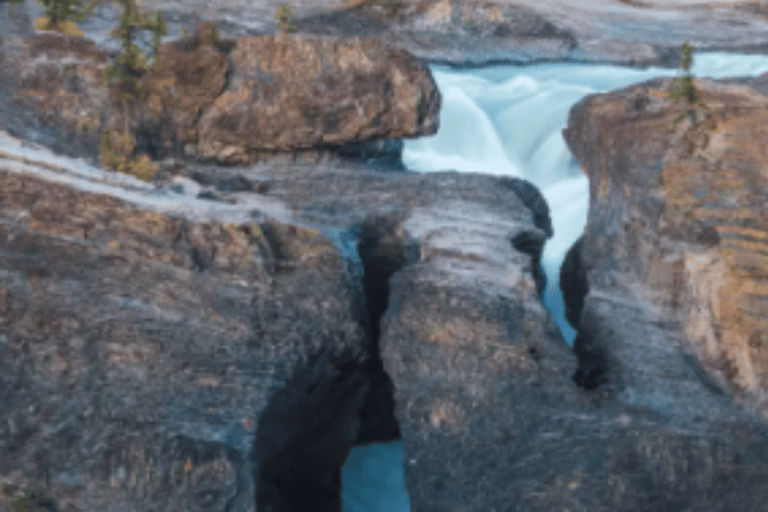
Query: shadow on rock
{"points": [[306, 432]]}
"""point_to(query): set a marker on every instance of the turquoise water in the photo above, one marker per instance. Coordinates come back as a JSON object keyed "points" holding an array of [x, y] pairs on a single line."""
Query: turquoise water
{"points": [[507, 120]]}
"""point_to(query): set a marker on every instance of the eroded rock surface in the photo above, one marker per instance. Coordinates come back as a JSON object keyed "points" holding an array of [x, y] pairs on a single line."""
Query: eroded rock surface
{"points": [[680, 209], [297, 92], [133, 311], [483, 32], [230, 100], [139, 344]]}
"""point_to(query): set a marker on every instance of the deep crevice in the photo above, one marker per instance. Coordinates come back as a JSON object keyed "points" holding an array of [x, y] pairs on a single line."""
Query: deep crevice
{"points": [[306, 431], [332, 401], [381, 253], [592, 369], [532, 244]]}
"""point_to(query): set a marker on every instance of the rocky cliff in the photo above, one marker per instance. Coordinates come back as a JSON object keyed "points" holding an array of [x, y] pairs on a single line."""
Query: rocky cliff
{"points": [[226, 100], [219, 338], [678, 211]]}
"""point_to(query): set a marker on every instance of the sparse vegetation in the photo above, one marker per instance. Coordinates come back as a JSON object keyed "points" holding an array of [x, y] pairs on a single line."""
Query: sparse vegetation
{"points": [[283, 17], [124, 79], [116, 152], [685, 88], [132, 64], [61, 15]]}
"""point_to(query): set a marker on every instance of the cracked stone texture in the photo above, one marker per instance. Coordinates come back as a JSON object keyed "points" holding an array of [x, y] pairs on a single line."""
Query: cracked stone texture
{"points": [[139, 347], [141, 381]]}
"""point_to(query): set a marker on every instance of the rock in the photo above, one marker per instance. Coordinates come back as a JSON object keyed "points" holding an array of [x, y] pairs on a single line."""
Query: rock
{"points": [[305, 434], [480, 376], [573, 282], [140, 342], [145, 330], [53, 90], [356, 97], [187, 78], [299, 92], [444, 30], [526, 31], [680, 212]]}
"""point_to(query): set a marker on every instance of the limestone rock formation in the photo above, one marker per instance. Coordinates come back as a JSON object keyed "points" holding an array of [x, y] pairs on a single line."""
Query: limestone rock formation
{"points": [[680, 208], [143, 332], [147, 327], [298, 92], [227, 100]]}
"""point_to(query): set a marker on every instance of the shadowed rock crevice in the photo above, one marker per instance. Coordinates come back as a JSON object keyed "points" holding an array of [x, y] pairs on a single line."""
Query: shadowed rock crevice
{"points": [[334, 399], [305, 434], [532, 244], [592, 361], [382, 254], [382, 154]]}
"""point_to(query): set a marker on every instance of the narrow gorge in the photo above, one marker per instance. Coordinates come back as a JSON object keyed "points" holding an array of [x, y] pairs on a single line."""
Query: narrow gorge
{"points": [[340, 289]]}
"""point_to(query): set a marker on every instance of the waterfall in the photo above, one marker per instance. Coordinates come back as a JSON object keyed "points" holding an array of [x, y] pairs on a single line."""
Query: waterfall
{"points": [[507, 120]]}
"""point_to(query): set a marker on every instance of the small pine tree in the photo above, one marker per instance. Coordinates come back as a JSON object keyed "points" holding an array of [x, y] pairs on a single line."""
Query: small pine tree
{"points": [[124, 78], [686, 88], [131, 64]]}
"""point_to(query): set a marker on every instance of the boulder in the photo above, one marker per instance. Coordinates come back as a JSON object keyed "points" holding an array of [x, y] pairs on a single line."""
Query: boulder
{"points": [[298, 92], [167, 348], [226, 100], [187, 77]]}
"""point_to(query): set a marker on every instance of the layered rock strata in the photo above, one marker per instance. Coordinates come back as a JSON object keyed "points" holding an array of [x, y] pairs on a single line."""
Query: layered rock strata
{"points": [[678, 210]]}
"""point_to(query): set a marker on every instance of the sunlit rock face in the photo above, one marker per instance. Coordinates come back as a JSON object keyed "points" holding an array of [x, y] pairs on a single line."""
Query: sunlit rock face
{"points": [[232, 100], [679, 207], [292, 92], [187, 78]]}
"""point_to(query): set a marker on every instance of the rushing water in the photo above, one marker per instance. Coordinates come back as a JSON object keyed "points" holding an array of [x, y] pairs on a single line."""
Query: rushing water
{"points": [[508, 120]]}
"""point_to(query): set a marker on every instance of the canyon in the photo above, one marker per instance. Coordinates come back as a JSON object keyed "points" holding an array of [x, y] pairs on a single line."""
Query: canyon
{"points": [[221, 336]]}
